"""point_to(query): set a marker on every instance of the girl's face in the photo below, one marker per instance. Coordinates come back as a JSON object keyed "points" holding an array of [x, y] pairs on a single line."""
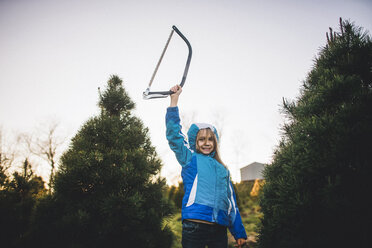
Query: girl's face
{"points": [[205, 141]]}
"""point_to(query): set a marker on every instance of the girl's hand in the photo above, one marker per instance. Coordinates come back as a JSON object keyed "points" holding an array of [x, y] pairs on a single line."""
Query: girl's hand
{"points": [[174, 97], [240, 243]]}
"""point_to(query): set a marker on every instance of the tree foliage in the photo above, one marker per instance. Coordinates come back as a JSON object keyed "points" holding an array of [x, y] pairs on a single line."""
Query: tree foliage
{"points": [[318, 183], [107, 192], [18, 196], [175, 195]]}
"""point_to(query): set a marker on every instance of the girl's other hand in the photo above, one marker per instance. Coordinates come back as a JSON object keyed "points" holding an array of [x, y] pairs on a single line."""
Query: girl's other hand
{"points": [[240, 243]]}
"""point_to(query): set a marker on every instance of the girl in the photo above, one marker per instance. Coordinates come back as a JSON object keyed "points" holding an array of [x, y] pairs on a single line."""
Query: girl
{"points": [[209, 204]]}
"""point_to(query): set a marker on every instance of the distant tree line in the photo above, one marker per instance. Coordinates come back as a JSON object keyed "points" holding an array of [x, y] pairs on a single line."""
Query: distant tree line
{"points": [[175, 195]]}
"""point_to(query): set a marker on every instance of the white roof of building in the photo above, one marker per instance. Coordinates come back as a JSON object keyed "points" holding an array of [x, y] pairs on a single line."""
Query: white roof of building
{"points": [[252, 171]]}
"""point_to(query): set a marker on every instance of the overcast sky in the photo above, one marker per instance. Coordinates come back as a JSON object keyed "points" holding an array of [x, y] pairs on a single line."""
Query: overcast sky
{"points": [[247, 56]]}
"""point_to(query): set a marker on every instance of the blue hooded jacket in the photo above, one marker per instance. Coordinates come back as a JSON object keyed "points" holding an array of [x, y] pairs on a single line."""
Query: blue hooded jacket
{"points": [[209, 194]]}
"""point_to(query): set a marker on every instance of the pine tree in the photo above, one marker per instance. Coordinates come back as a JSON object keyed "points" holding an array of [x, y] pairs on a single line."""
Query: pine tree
{"points": [[319, 181], [19, 194], [108, 192]]}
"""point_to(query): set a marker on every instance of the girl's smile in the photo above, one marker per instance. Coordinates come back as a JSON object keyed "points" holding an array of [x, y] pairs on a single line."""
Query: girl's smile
{"points": [[205, 142]]}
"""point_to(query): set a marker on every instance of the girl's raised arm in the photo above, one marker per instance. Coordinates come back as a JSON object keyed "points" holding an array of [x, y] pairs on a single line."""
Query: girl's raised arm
{"points": [[176, 139]]}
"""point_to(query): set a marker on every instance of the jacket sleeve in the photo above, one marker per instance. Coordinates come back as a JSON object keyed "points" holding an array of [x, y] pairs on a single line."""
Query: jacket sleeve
{"points": [[236, 228], [176, 139]]}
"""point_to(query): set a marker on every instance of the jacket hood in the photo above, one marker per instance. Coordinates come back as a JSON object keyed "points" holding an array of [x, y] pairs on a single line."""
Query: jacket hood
{"points": [[193, 131]]}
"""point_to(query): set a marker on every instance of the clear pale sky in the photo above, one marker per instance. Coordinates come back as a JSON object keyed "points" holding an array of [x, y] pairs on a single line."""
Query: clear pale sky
{"points": [[247, 56]]}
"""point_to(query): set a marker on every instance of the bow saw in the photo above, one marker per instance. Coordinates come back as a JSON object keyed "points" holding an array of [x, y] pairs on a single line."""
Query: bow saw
{"points": [[148, 94]]}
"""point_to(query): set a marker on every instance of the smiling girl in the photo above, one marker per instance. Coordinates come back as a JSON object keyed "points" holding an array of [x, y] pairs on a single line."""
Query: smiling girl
{"points": [[209, 204]]}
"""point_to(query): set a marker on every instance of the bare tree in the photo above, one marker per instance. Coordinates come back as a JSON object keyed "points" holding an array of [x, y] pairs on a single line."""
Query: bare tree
{"points": [[219, 117], [187, 119], [240, 145], [8, 153], [46, 145]]}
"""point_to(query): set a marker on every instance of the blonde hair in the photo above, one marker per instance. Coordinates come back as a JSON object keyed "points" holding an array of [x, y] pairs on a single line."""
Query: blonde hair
{"points": [[215, 145]]}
